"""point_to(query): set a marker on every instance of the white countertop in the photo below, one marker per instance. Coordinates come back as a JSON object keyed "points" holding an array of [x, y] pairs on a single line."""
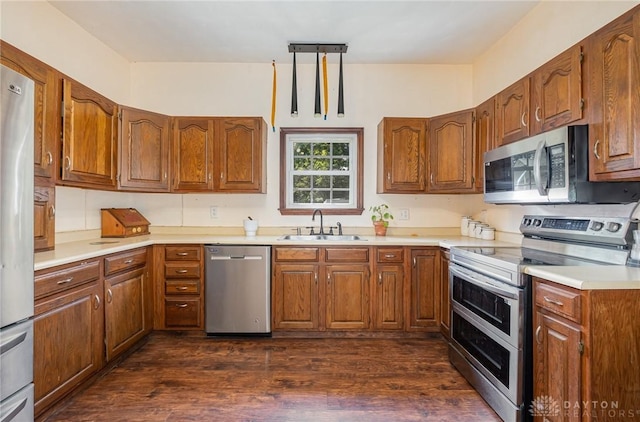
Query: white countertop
{"points": [[584, 278]]}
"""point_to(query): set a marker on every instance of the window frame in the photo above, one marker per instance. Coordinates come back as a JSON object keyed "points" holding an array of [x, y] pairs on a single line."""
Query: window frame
{"points": [[326, 208]]}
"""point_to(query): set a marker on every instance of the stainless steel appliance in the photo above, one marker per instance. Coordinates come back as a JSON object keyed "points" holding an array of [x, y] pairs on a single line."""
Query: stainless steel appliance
{"points": [[491, 300], [552, 167], [16, 246], [238, 290]]}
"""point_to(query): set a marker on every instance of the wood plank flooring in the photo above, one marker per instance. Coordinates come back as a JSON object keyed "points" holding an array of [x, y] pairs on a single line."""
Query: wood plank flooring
{"points": [[187, 378]]}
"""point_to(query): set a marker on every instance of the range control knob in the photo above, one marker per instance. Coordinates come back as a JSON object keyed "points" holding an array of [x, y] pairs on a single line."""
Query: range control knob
{"points": [[526, 222], [537, 222], [596, 226], [613, 227]]}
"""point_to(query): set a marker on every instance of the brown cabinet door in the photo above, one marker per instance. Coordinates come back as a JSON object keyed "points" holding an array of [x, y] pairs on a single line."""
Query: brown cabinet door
{"points": [[192, 154], [389, 285], [295, 297], [614, 132], [451, 153], [241, 155], [485, 138], [445, 302], [402, 148], [512, 112], [144, 151], [347, 297], [47, 107], [556, 91], [89, 142], [68, 342], [557, 362], [44, 217], [124, 310], [424, 292]]}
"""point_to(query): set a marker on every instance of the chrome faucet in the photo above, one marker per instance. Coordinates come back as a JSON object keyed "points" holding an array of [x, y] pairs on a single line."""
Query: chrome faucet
{"points": [[313, 218]]}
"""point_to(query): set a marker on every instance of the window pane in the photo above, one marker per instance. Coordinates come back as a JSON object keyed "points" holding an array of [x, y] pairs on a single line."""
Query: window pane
{"points": [[341, 196], [341, 164], [320, 196], [302, 148], [341, 148], [321, 163], [340, 182], [302, 164], [302, 197], [321, 182], [302, 182], [321, 149]]}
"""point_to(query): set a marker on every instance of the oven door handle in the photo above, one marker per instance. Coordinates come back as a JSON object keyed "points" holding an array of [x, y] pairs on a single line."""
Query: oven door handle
{"points": [[476, 280]]}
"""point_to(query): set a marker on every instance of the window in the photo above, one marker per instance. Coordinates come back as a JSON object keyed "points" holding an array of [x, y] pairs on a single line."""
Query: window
{"points": [[321, 168]]}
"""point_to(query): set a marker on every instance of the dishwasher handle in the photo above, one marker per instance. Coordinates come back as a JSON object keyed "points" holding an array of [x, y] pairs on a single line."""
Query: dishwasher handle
{"points": [[230, 257]]}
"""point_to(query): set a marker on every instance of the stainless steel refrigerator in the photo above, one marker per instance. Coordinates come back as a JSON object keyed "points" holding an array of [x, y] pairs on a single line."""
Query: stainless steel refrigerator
{"points": [[16, 246]]}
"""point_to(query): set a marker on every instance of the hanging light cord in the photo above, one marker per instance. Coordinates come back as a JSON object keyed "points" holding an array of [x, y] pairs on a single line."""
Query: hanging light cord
{"points": [[326, 89]]}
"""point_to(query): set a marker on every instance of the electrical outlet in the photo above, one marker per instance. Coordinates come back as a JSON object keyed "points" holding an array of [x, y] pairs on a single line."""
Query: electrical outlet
{"points": [[403, 214], [213, 212]]}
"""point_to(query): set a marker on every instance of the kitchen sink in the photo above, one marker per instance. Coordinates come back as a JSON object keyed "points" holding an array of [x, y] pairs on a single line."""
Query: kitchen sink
{"points": [[315, 237]]}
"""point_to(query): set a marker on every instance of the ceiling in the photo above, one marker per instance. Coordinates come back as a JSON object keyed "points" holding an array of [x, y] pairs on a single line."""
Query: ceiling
{"points": [[391, 31]]}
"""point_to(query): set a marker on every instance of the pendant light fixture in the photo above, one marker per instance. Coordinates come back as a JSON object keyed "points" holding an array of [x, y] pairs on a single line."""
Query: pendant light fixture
{"points": [[294, 90], [317, 48], [316, 112], [340, 91]]}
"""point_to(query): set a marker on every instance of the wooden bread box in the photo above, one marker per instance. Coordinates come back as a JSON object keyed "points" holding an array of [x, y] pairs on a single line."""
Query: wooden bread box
{"points": [[123, 222]]}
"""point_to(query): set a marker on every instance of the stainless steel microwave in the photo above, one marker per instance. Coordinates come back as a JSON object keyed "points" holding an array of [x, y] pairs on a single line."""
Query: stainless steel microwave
{"points": [[550, 168]]}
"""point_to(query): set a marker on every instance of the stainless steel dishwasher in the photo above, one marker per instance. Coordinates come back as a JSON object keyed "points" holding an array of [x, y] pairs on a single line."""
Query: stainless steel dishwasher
{"points": [[238, 290]]}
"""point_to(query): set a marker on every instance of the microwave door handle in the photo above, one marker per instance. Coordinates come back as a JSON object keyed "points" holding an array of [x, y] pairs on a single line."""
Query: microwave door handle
{"points": [[468, 277], [537, 169]]}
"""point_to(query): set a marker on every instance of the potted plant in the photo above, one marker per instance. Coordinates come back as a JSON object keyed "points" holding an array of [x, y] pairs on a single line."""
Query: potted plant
{"points": [[380, 217]]}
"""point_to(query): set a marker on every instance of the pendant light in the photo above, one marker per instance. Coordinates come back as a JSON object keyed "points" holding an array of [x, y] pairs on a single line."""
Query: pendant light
{"points": [[340, 91], [294, 90], [317, 111]]}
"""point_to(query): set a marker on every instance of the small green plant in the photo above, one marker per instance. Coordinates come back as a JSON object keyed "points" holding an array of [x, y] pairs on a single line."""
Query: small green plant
{"points": [[381, 213]]}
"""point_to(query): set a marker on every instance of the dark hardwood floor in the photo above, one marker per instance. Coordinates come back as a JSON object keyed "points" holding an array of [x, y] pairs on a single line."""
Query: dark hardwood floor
{"points": [[187, 378]]}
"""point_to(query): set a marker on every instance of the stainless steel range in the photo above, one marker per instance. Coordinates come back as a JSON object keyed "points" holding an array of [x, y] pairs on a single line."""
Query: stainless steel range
{"points": [[491, 300]]}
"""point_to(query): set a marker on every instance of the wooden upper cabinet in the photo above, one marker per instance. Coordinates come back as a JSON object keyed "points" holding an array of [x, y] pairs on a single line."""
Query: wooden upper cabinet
{"points": [[556, 97], [193, 154], [451, 153], [614, 131], [402, 145], [241, 155], [47, 107], [144, 151], [512, 112], [89, 145], [485, 137]]}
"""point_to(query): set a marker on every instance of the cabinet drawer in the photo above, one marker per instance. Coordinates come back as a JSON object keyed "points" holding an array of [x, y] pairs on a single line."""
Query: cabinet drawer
{"points": [[561, 301], [347, 254], [182, 312], [123, 261], [182, 287], [296, 254], [58, 279], [182, 253], [182, 269], [390, 255]]}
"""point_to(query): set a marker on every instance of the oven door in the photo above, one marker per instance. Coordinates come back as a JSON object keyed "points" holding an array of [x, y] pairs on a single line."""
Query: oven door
{"points": [[481, 312]]}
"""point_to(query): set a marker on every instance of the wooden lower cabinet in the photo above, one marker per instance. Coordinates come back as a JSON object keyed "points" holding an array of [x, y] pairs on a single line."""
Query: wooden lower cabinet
{"points": [[388, 288], [586, 351], [180, 290], [295, 297], [347, 296], [68, 330], [423, 310]]}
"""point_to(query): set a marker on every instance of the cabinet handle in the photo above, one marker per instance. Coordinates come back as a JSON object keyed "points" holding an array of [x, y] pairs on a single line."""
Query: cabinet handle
{"points": [[315, 276], [431, 178], [181, 305], [328, 278], [537, 114], [182, 253], [210, 176], [52, 211], [181, 271], [65, 281], [96, 302], [552, 301], [380, 278], [109, 296], [595, 149], [67, 162], [221, 175], [524, 124], [49, 158], [165, 175], [389, 176], [390, 255], [414, 262], [538, 334], [182, 288], [128, 261]]}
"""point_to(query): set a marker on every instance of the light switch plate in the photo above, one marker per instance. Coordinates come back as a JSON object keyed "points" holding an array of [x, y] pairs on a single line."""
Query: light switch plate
{"points": [[213, 212]]}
